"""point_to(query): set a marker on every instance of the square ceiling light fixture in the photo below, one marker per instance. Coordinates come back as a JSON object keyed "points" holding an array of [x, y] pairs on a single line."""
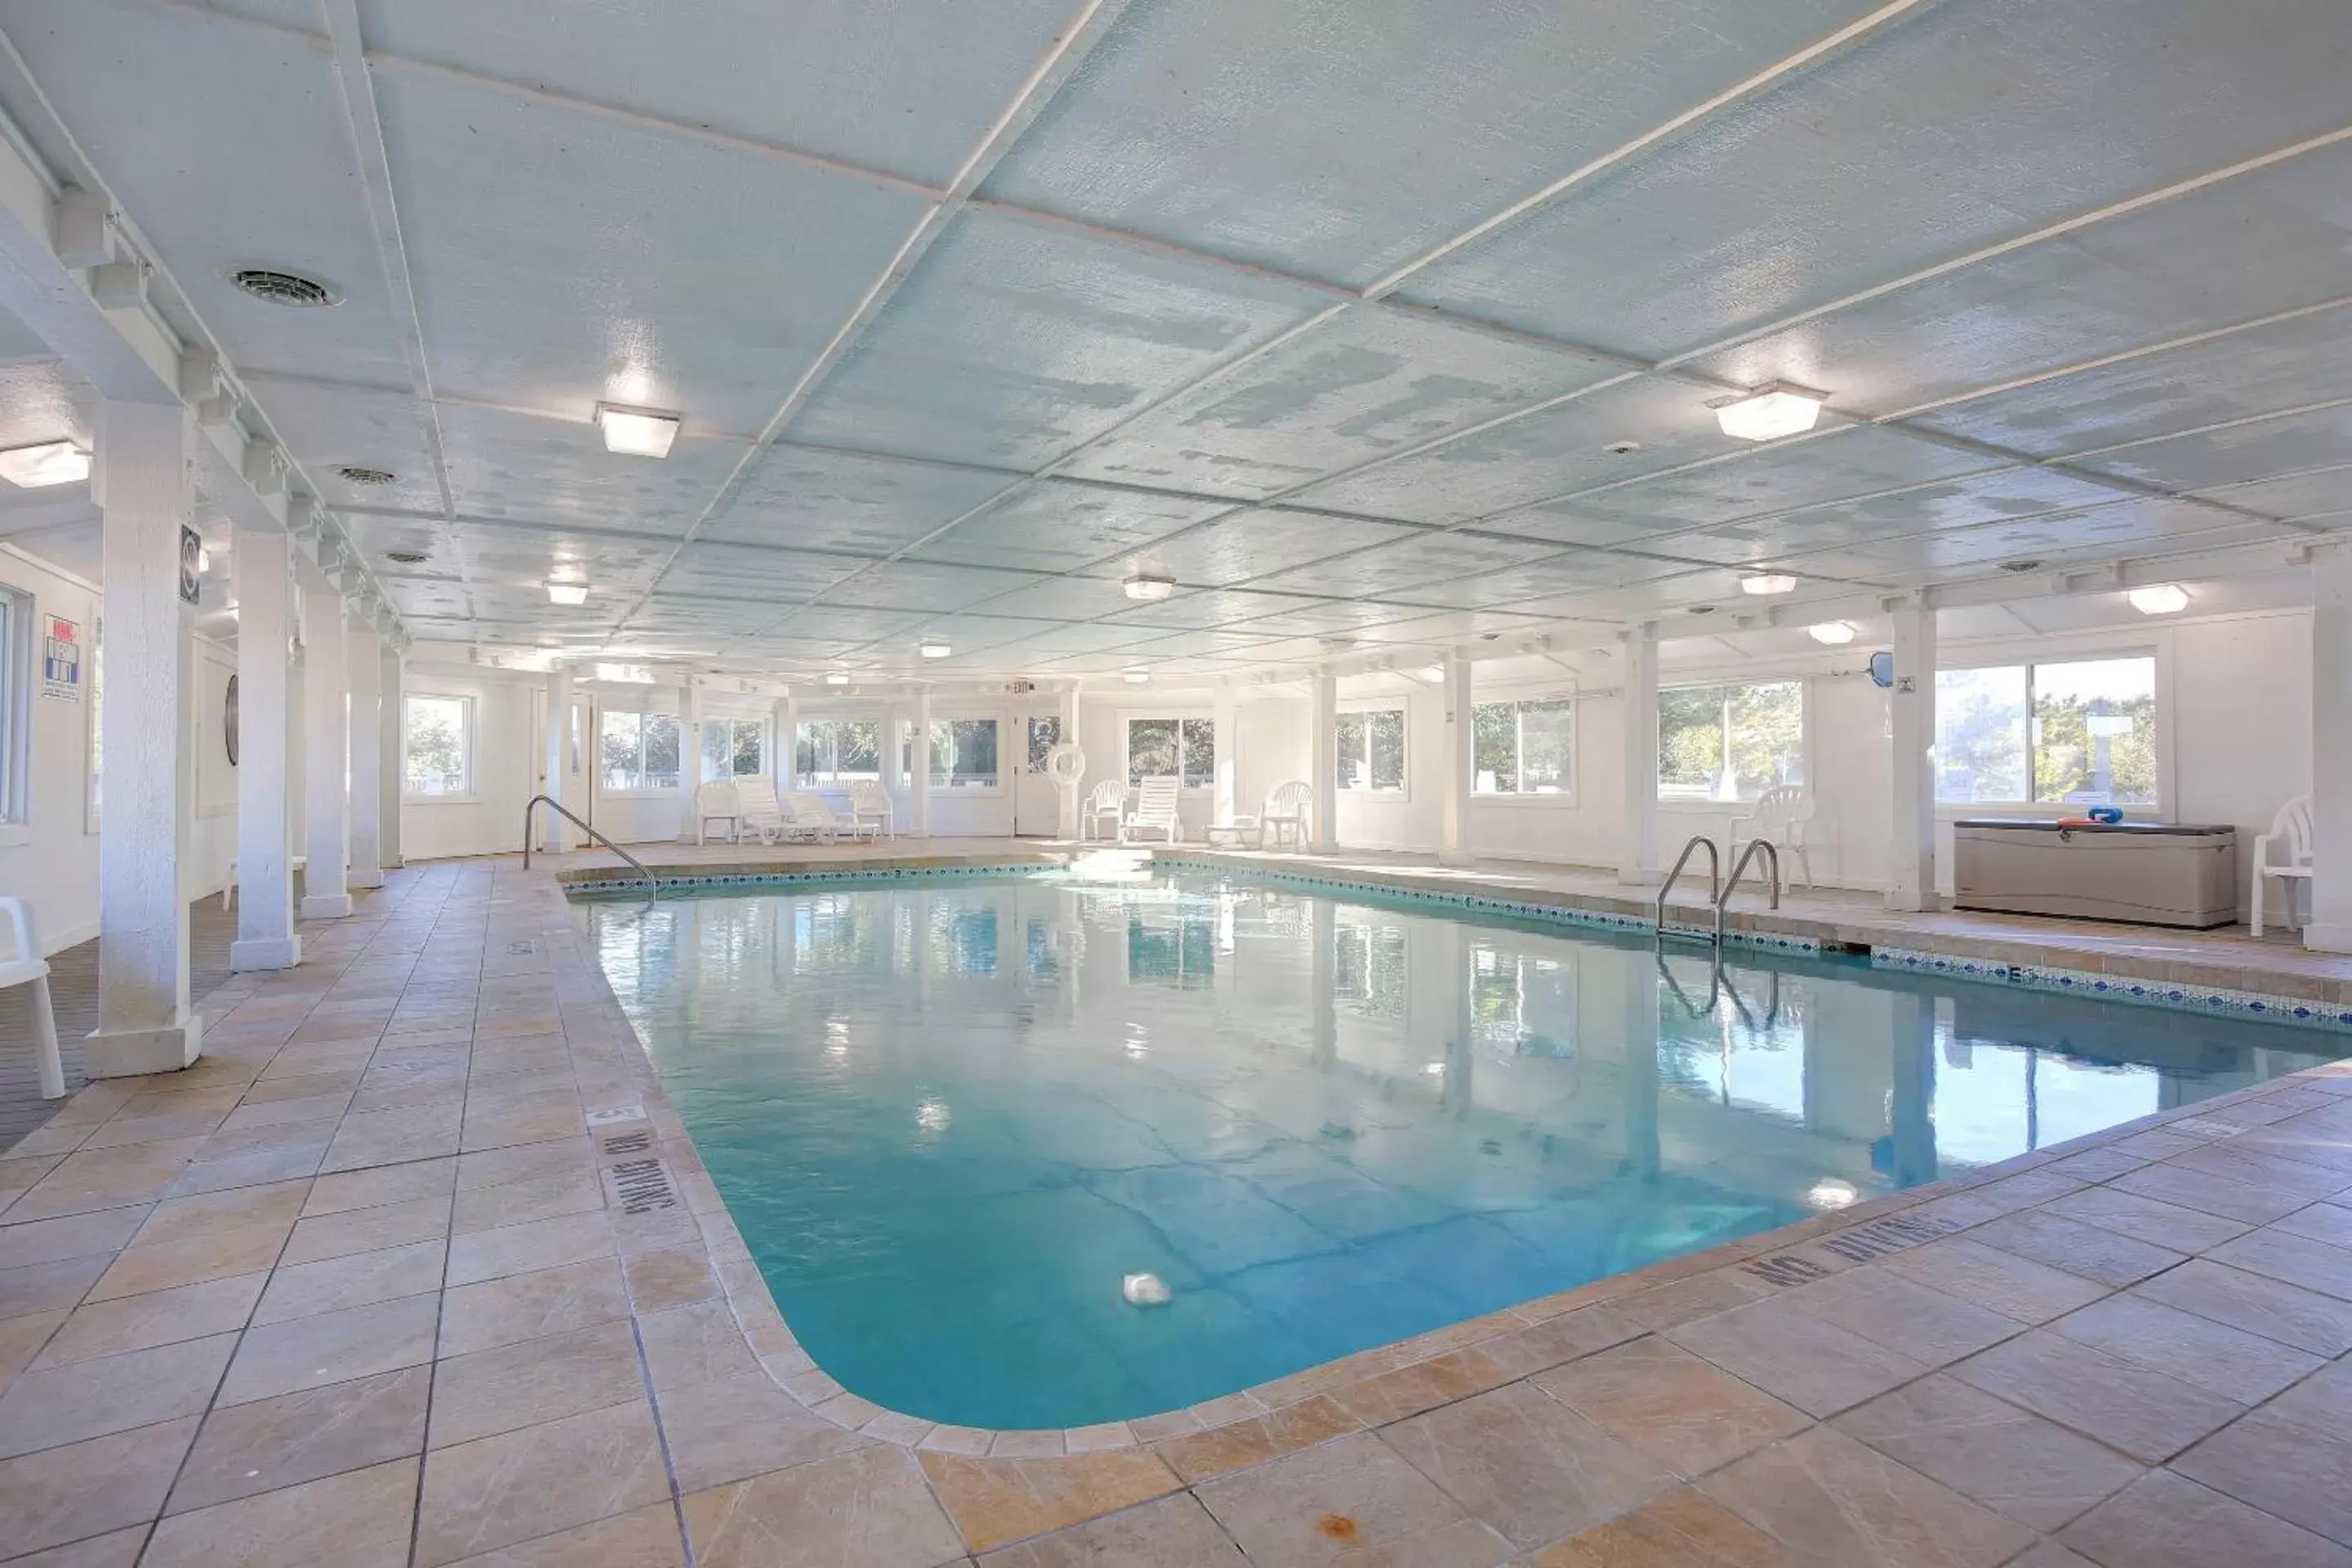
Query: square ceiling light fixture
{"points": [[567, 592], [1769, 412], [636, 432], [50, 463], [837, 677], [1767, 583], [2163, 599], [1149, 585], [934, 649], [1831, 634], [1135, 677]]}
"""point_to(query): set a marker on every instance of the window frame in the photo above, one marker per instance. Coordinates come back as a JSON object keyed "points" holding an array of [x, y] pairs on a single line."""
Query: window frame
{"points": [[1402, 706], [830, 726], [1802, 681], [638, 791], [732, 722], [2158, 652], [1180, 719], [467, 708], [1563, 799], [19, 656], [942, 782]]}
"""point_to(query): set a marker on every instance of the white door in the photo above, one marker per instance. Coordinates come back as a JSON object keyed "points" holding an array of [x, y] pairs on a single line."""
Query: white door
{"points": [[1036, 804], [579, 744]]}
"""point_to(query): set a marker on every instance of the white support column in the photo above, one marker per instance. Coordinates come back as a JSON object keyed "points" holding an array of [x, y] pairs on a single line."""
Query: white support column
{"points": [[1066, 801], [2330, 930], [1637, 838], [1911, 711], [143, 494], [1225, 720], [1323, 749], [788, 739], [390, 767], [266, 938], [554, 834], [1460, 761], [689, 758], [366, 673], [918, 783], [326, 745]]}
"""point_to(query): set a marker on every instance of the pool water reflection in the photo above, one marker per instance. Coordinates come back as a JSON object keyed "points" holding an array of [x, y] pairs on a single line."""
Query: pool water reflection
{"points": [[951, 1118]]}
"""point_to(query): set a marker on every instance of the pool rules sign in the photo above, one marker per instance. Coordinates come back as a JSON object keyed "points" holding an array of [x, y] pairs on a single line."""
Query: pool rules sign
{"points": [[61, 661]]}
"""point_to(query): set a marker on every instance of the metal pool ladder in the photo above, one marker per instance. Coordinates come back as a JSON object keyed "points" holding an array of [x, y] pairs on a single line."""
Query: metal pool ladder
{"points": [[1738, 867], [1714, 891], [653, 887]]}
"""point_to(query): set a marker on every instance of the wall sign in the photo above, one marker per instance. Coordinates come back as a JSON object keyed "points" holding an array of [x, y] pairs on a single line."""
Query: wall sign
{"points": [[61, 661], [191, 552]]}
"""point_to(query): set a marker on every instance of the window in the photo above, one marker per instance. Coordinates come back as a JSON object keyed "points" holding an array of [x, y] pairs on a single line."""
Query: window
{"points": [[1731, 743], [2077, 732], [437, 746], [1524, 748], [1184, 747], [16, 706], [733, 748], [638, 751], [1045, 734], [834, 751], [1372, 749], [1369, 964], [963, 754]]}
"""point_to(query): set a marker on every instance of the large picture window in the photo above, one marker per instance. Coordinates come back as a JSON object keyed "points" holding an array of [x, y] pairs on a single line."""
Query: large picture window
{"points": [[1371, 750], [834, 752], [637, 752], [1186, 748], [963, 754], [733, 748], [2070, 731], [1524, 748], [438, 747], [1731, 743]]}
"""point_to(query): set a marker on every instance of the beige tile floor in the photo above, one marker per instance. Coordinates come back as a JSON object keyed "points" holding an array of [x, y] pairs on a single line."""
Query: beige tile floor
{"points": [[367, 1287]]}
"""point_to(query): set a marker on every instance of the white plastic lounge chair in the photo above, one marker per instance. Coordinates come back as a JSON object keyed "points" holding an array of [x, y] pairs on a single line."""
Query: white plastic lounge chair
{"points": [[870, 810], [717, 802], [809, 810], [756, 794], [1155, 811], [25, 965]]}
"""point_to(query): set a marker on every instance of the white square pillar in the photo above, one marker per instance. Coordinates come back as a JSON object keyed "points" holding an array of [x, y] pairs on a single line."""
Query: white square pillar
{"points": [[365, 667], [1323, 750], [326, 762], [689, 759], [785, 762], [266, 938], [1226, 792], [1065, 800], [1454, 847], [2330, 930], [556, 765], [1637, 832], [919, 782], [143, 490], [390, 766], [1911, 713]]}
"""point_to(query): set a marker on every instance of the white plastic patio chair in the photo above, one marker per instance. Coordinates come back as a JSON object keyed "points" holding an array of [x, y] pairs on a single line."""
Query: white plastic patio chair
{"points": [[1108, 800], [1155, 811], [810, 812], [870, 810], [1284, 814], [755, 795], [26, 965], [229, 889], [1782, 814], [717, 802], [2291, 828]]}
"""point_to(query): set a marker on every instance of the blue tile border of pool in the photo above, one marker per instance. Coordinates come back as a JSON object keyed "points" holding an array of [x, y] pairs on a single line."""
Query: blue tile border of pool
{"points": [[2301, 1012]]}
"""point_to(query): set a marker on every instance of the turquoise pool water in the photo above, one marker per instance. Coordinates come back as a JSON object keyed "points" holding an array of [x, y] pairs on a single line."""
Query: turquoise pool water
{"points": [[951, 1117]]}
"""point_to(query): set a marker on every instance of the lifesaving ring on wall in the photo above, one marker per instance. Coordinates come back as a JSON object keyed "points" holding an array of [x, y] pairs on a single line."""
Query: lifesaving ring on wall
{"points": [[1065, 763]]}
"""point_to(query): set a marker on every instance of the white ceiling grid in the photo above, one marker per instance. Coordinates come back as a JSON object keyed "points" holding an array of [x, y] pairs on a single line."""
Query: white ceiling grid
{"points": [[1333, 315]]}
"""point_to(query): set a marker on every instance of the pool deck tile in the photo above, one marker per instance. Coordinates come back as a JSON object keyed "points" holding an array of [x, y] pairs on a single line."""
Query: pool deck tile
{"points": [[367, 1277]]}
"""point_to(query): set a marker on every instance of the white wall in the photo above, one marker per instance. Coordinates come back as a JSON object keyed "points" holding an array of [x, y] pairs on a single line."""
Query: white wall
{"points": [[54, 860], [488, 821]]}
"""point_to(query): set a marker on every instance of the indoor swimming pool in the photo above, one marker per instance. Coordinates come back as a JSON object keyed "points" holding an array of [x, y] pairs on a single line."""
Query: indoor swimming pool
{"points": [[974, 1127]]}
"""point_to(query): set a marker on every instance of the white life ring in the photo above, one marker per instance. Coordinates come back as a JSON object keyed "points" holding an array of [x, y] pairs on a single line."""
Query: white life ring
{"points": [[1065, 765]]}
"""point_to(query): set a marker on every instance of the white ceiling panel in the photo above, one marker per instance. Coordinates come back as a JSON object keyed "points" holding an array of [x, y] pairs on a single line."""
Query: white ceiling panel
{"points": [[778, 577], [1152, 642], [918, 586], [1260, 543], [2126, 524], [2024, 113], [1841, 464], [614, 566], [517, 466], [375, 536], [2323, 492], [1366, 384], [1398, 571], [1314, 618], [813, 498], [829, 623], [1058, 525], [41, 400], [1012, 344], [1567, 523], [1213, 607], [709, 291], [909, 86], [1309, 136], [2236, 454], [1060, 598], [326, 427], [1957, 503], [1083, 637]]}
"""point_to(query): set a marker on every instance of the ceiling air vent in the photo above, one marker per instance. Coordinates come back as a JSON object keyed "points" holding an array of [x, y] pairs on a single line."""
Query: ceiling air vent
{"points": [[352, 473], [2020, 568], [280, 287], [404, 557]]}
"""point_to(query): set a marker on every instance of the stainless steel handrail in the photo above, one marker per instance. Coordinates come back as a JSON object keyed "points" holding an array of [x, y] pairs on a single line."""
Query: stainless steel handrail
{"points": [[653, 887], [1714, 879], [1738, 869]]}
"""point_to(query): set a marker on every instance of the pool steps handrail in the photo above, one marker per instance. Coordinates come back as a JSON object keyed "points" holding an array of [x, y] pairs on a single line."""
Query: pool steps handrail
{"points": [[1738, 869], [1714, 891], [653, 887]]}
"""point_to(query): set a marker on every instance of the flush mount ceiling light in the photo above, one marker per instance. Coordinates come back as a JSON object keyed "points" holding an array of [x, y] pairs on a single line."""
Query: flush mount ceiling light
{"points": [[1767, 583], [1150, 585], [282, 286], [2164, 599], [838, 677], [1135, 677], [50, 463], [636, 432], [934, 651], [1836, 633], [567, 593], [1434, 674], [1769, 412]]}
